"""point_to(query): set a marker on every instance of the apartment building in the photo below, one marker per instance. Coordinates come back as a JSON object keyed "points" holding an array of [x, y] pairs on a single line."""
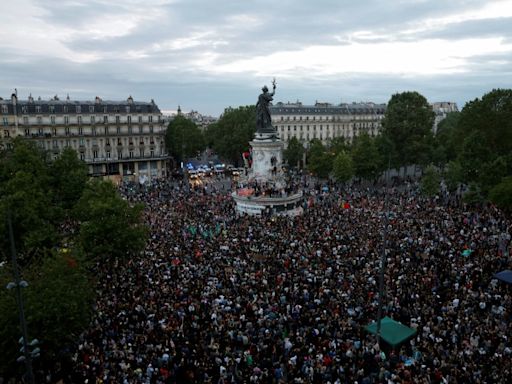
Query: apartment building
{"points": [[325, 121], [118, 139]]}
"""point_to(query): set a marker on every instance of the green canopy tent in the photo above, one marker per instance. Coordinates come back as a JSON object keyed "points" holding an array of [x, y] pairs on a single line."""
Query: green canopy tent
{"points": [[391, 331]]}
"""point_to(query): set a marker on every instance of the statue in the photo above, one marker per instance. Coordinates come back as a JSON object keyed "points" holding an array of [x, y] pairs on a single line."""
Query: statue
{"points": [[263, 120]]}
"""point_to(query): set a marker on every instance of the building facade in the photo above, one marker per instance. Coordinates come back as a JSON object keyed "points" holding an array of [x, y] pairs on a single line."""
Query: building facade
{"points": [[325, 121], [118, 139], [441, 109]]}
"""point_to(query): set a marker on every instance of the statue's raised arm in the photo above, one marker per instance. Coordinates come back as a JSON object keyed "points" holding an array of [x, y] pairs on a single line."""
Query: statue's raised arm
{"points": [[263, 120]]}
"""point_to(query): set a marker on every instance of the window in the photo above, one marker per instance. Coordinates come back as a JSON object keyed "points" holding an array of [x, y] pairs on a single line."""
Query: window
{"points": [[108, 154], [39, 120], [150, 129], [24, 109], [40, 131], [106, 130], [81, 142], [68, 143], [141, 129], [54, 131], [52, 119], [4, 109], [6, 133], [141, 152], [105, 119], [78, 109], [118, 120], [127, 109], [93, 119], [95, 154], [105, 109], [25, 120], [119, 154], [66, 119], [27, 132], [150, 119], [118, 130], [54, 144], [129, 129], [79, 119], [5, 121], [80, 131], [107, 141], [82, 156], [130, 154], [66, 130], [91, 108], [38, 109], [65, 109], [129, 119], [94, 130], [51, 108], [140, 119]]}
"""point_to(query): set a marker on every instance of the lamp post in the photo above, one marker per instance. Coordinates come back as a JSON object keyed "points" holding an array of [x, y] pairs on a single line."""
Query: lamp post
{"points": [[18, 284], [383, 255]]}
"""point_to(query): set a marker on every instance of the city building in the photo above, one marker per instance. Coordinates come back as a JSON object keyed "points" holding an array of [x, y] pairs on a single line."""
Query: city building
{"points": [[202, 121], [325, 121], [441, 109], [118, 139]]}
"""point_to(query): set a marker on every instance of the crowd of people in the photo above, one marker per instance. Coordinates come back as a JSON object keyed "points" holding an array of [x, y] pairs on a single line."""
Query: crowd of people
{"points": [[220, 298]]}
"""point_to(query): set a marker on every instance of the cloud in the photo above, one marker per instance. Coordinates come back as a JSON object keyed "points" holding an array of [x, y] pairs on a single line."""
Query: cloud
{"points": [[210, 53]]}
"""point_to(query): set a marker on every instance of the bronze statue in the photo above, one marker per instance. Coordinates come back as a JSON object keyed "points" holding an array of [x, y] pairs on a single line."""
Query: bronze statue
{"points": [[263, 120]]}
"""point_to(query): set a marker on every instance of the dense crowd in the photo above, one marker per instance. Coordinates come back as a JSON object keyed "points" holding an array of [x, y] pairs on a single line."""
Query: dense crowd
{"points": [[217, 298]]}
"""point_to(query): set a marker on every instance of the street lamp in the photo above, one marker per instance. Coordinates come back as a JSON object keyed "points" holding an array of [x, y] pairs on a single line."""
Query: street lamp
{"points": [[17, 284]]}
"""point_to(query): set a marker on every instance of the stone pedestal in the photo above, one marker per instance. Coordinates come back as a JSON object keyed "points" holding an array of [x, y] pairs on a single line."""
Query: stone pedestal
{"points": [[266, 172], [267, 157]]}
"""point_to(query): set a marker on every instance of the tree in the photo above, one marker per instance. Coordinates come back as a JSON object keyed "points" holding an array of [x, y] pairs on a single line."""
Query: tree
{"points": [[320, 161], [343, 168], [109, 227], [57, 307], [446, 140], [183, 138], [294, 152], [501, 194], [366, 157], [408, 125], [338, 145], [453, 175], [25, 192], [68, 178], [231, 134], [430, 181]]}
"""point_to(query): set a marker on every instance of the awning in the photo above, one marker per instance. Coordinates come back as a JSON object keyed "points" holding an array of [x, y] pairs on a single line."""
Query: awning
{"points": [[505, 276], [391, 331]]}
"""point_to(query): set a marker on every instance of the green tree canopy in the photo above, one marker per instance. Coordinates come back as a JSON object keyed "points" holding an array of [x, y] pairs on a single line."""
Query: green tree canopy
{"points": [[446, 140], [501, 194], [320, 161], [231, 134], [57, 307], [68, 178], [183, 138], [408, 126], [430, 182], [366, 157], [343, 168], [109, 227], [294, 151], [25, 192]]}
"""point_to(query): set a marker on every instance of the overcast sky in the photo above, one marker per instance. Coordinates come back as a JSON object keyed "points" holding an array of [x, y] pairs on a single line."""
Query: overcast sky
{"points": [[206, 55]]}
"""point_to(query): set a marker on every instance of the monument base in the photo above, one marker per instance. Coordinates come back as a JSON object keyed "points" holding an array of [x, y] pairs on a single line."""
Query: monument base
{"points": [[290, 205]]}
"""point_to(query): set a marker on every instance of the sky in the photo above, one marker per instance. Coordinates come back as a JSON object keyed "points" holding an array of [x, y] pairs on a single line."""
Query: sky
{"points": [[207, 55]]}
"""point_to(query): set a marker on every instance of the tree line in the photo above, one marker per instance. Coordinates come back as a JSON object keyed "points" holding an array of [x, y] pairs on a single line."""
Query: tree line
{"points": [[471, 148]]}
